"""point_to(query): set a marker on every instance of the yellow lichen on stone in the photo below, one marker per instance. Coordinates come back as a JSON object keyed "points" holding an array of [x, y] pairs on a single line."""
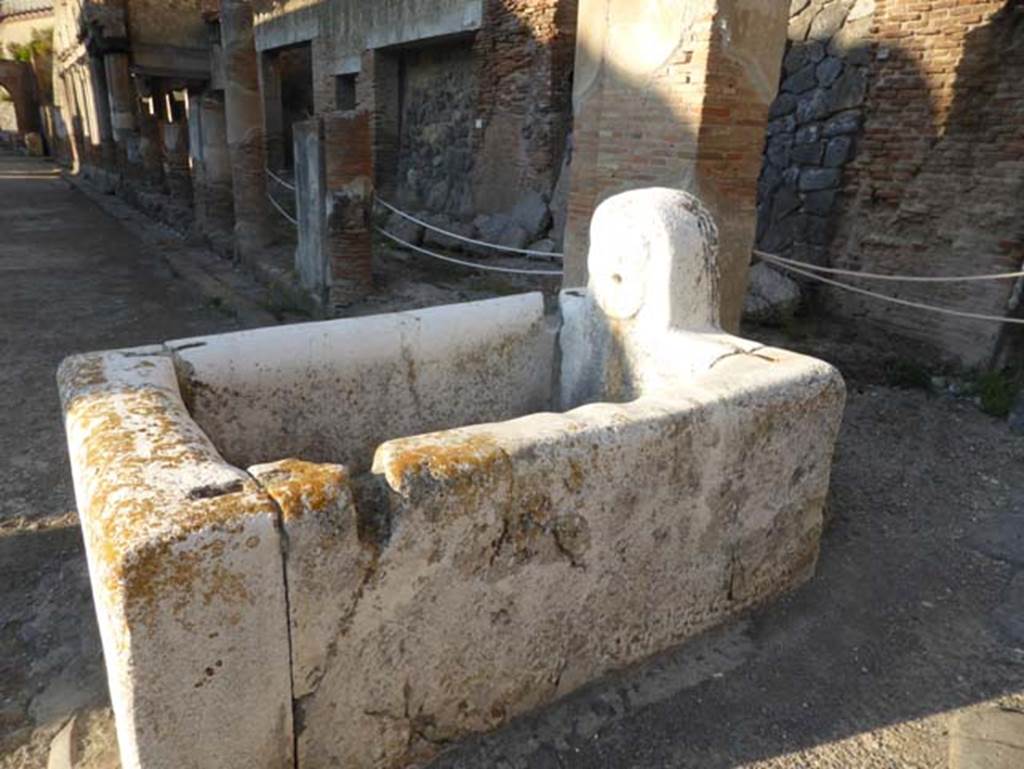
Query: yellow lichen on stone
{"points": [[444, 456], [300, 487], [141, 456]]}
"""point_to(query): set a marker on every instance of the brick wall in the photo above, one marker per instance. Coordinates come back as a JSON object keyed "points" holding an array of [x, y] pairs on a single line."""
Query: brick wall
{"points": [[524, 53], [677, 96], [938, 184], [348, 174], [925, 99]]}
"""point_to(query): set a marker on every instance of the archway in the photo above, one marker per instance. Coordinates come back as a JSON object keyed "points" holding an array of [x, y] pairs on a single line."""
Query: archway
{"points": [[8, 113], [17, 79]]}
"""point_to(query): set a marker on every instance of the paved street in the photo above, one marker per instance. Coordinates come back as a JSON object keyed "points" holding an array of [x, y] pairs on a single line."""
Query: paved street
{"points": [[906, 650], [73, 279]]}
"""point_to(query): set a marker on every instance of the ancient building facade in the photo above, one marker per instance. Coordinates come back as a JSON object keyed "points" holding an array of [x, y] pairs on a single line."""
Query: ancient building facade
{"points": [[471, 97], [122, 73], [896, 146], [456, 110], [26, 27]]}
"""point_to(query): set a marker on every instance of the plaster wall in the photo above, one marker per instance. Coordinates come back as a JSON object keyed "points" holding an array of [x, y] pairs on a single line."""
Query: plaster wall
{"points": [[356, 26], [18, 30]]}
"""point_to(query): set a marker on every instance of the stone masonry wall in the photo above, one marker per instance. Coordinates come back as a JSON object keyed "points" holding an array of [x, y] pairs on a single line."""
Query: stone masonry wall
{"points": [[525, 54], [896, 146], [813, 124], [435, 143]]}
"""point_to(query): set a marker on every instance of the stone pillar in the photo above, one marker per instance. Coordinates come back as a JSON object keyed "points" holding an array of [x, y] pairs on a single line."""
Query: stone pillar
{"points": [[273, 116], [174, 143], [310, 255], [174, 137], [214, 207], [64, 93], [675, 95], [244, 118], [123, 120], [101, 106], [150, 153]]}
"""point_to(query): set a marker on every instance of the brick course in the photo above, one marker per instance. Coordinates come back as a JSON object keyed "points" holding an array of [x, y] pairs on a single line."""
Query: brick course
{"points": [[937, 186]]}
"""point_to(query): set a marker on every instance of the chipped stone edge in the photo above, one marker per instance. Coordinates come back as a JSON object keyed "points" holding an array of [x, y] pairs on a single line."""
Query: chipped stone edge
{"points": [[186, 569]]}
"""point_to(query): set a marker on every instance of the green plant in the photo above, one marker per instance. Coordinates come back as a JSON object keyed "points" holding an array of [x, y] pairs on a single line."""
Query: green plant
{"points": [[997, 391], [41, 45], [908, 375]]}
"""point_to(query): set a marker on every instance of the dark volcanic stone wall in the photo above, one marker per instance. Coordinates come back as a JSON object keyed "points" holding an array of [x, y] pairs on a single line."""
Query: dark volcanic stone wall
{"points": [[896, 146], [438, 90]]}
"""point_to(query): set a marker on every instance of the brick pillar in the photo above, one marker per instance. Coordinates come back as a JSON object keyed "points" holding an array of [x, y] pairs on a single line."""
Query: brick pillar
{"points": [[377, 91], [675, 95], [123, 120], [348, 178], [244, 118]]}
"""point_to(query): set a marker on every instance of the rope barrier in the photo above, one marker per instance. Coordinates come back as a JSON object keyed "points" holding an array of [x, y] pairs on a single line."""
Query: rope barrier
{"points": [[281, 211], [462, 263], [783, 261], [279, 180], [464, 239], [902, 302]]}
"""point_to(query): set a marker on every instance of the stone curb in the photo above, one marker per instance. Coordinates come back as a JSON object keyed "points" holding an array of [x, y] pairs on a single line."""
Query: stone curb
{"points": [[187, 261]]}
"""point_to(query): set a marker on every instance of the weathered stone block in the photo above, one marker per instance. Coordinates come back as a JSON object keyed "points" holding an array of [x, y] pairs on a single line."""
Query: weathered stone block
{"points": [[801, 54], [800, 23], [813, 106], [848, 122], [819, 179], [786, 201], [800, 81], [848, 91], [828, 20], [782, 125], [406, 580], [828, 71], [532, 214], [838, 151], [440, 240], [784, 104], [808, 134], [808, 154], [405, 229], [853, 42], [820, 203], [772, 297]]}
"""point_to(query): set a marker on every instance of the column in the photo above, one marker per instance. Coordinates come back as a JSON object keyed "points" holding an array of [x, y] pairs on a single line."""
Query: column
{"points": [[675, 95], [123, 119], [244, 120], [212, 160], [101, 108]]}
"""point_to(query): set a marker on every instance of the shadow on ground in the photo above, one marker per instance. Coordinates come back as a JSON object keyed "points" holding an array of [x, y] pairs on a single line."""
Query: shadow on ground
{"points": [[914, 612]]}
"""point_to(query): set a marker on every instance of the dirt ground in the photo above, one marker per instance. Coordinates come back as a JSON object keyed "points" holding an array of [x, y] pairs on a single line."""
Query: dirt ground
{"points": [[909, 637]]}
